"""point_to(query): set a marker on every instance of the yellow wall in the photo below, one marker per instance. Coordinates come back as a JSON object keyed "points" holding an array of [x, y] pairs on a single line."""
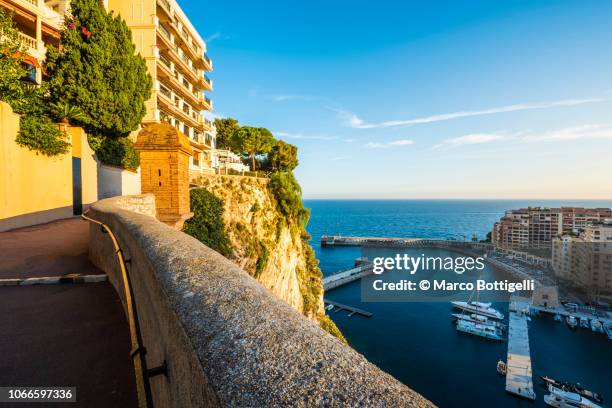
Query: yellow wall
{"points": [[140, 16], [35, 188]]}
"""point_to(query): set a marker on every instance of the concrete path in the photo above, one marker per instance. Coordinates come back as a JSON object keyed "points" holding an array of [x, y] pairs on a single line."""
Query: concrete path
{"points": [[64, 334]]}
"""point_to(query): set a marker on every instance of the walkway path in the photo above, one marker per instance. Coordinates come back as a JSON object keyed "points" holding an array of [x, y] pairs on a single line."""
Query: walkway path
{"points": [[63, 334]]}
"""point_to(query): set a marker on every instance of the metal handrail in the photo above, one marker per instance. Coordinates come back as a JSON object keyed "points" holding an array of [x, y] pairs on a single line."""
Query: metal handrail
{"points": [[143, 387]]}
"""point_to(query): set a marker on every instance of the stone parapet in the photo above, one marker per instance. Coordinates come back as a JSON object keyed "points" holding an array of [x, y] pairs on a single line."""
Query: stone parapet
{"points": [[227, 340]]}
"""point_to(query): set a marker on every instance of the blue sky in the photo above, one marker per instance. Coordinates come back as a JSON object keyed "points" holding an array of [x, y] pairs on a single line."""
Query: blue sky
{"points": [[470, 99]]}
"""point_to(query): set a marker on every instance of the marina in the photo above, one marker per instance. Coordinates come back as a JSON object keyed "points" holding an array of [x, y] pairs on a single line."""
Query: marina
{"points": [[579, 355]]}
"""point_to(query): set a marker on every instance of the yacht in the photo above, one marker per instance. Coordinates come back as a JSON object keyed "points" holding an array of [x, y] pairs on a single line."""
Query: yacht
{"points": [[571, 387], [596, 326], [571, 321], [565, 399], [476, 318], [477, 329], [480, 308]]}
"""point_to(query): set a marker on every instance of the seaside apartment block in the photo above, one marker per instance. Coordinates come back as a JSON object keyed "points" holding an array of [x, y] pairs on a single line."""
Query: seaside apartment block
{"points": [[39, 23], [585, 259], [536, 227], [176, 58]]}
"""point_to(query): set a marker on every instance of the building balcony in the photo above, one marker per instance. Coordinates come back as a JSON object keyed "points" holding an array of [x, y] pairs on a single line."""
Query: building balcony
{"points": [[167, 75], [206, 102], [164, 10], [169, 107]]}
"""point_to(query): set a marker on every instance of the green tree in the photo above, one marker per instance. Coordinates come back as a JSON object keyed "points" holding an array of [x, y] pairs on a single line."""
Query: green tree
{"points": [[252, 141], [98, 70], [226, 127], [283, 156], [12, 51]]}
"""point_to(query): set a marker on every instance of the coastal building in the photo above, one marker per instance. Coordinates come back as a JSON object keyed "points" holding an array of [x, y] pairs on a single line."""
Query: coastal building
{"points": [[585, 260], [536, 227], [176, 58], [228, 162], [39, 23]]}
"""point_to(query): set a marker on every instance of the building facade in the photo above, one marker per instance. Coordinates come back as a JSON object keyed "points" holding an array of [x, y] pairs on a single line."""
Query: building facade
{"points": [[537, 227], [39, 23], [177, 62], [585, 260], [228, 162]]}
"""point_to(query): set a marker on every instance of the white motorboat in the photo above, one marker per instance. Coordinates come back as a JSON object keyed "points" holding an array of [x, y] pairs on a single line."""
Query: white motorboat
{"points": [[596, 326], [480, 308], [502, 368], [558, 318], [482, 330], [476, 318], [565, 399], [571, 321]]}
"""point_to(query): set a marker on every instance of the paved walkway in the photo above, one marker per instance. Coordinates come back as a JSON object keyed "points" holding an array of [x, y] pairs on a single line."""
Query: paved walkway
{"points": [[64, 334]]}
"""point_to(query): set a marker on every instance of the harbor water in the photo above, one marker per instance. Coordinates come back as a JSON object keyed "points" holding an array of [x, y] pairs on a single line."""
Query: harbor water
{"points": [[417, 342]]}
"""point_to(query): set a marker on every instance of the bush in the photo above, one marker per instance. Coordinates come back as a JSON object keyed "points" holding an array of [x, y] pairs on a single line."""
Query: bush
{"points": [[116, 151], [40, 133], [262, 261], [207, 224], [289, 197]]}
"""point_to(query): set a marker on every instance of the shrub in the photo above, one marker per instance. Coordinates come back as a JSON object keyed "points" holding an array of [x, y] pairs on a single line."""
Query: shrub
{"points": [[262, 261], [40, 133], [116, 151], [289, 197], [207, 224]]}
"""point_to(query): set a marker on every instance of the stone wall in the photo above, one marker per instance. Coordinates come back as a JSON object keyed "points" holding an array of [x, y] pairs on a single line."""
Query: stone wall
{"points": [[226, 339]]}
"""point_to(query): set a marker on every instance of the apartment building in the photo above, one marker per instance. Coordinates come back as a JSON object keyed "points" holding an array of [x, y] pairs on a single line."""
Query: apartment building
{"points": [[586, 259], [176, 58], [39, 23], [228, 162], [536, 227]]}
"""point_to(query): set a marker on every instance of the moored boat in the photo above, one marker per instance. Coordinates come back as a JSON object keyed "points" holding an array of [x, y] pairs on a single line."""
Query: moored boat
{"points": [[566, 399], [596, 326], [483, 309], [608, 330], [476, 318], [477, 329], [584, 322], [571, 387], [571, 321], [501, 367], [558, 318]]}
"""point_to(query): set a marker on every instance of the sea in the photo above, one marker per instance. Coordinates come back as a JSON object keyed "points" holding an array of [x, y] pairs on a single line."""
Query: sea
{"points": [[416, 342]]}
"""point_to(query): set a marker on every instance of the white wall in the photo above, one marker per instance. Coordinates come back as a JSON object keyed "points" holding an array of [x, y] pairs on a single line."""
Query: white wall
{"points": [[113, 181]]}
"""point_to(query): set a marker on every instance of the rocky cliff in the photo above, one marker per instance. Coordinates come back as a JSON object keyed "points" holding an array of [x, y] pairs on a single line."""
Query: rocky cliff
{"points": [[270, 246]]}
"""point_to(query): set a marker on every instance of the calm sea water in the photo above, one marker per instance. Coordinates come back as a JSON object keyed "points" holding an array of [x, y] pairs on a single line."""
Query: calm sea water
{"points": [[416, 342]]}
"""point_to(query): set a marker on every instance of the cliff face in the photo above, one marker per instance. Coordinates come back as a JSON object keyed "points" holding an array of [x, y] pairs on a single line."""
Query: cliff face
{"points": [[267, 245]]}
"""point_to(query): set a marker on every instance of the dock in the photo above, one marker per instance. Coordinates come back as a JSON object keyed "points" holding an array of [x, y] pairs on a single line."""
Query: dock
{"points": [[519, 377], [352, 310], [346, 276]]}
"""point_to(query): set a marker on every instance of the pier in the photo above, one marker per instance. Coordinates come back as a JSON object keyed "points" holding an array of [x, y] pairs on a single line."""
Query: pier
{"points": [[386, 242], [519, 377], [346, 276], [352, 310]]}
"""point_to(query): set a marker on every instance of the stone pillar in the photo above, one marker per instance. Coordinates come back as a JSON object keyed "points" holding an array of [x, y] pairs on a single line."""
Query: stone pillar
{"points": [[164, 166]]}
